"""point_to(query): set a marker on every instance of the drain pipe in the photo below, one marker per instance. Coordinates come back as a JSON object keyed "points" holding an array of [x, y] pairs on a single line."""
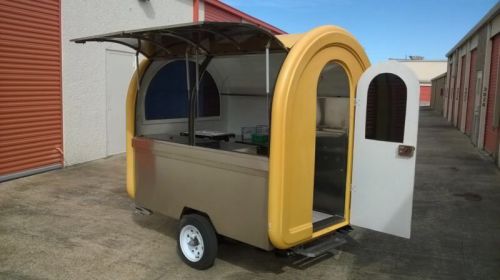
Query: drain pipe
{"points": [[267, 80]]}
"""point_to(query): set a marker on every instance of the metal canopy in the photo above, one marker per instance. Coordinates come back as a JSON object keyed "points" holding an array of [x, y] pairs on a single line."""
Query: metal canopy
{"points": [[207, 38]]}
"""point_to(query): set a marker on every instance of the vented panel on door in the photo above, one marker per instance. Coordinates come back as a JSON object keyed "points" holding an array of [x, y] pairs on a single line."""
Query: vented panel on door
{"points": [[472, 92], [30, 86], [386, 108], [491, 130]]}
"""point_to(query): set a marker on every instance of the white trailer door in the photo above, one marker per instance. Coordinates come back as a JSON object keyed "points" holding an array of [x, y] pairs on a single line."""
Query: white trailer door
{"points": [[385, 138]]}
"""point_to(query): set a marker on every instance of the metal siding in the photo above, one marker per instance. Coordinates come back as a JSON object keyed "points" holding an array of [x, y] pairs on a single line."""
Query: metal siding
{"points": [[30, 85], [213, 13], [472, 92], [491, 130], [460, 90], [449, 95]]}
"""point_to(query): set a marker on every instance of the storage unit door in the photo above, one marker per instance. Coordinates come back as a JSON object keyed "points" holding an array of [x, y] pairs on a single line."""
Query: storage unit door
{"points": [[491, 130], [425, 95], [472, 92], [30, 87]]}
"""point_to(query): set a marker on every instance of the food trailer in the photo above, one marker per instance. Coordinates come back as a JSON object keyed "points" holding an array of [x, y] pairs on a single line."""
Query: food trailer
{"points": [[275, 141]]}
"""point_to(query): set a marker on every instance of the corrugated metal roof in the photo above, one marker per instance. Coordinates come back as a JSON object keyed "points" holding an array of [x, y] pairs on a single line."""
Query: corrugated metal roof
{"points": [[237, 13]]}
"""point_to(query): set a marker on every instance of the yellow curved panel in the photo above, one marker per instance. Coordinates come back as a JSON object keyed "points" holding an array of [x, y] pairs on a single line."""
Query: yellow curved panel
{"points": [[293, 131], [130, 119], [288, 40]]}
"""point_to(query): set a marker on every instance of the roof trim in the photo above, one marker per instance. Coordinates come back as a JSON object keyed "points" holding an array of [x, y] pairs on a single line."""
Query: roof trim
{"points": [[439, 76], [245, 16], [486, 19], [423, 60]]}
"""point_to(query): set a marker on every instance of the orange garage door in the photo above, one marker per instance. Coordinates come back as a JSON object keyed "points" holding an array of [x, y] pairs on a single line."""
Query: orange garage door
{"points": [[30, 87]]}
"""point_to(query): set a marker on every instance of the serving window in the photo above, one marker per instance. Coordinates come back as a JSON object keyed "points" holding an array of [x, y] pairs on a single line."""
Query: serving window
{"points": [[166, 97], [230, 110]]}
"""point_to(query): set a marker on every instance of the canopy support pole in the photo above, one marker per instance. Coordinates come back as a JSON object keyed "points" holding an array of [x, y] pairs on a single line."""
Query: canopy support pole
{"points": [[267, 81], [138, 73], [193, 102], [267, 68], [193, 96]]}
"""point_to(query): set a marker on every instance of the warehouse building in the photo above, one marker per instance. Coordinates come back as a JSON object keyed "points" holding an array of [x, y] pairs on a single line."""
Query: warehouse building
{"points": [[472, 99], [425, 71], [62, 103]]}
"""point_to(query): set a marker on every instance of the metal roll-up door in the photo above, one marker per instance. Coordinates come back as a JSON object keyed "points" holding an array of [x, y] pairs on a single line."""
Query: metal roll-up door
{"points": [[472, 92], [491, 130], [30, 87]]}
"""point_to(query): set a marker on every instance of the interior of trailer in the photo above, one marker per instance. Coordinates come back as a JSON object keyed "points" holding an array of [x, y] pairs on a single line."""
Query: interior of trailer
{"points": [[332, 140], [232, 106]]}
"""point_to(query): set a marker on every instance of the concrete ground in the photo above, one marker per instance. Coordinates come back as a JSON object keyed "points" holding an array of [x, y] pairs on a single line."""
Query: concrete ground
{"points": [[78, 223]]}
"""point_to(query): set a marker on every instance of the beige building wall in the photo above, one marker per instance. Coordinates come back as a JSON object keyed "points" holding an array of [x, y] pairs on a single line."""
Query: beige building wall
{"points": [[426, 70]]}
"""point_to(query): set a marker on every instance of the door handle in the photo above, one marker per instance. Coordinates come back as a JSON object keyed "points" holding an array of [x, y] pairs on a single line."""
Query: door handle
{"points": [[406, 151]]}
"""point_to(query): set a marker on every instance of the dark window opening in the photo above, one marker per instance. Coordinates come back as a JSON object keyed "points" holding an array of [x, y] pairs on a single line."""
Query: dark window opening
{"points": [[167, 94], [386, 108]]}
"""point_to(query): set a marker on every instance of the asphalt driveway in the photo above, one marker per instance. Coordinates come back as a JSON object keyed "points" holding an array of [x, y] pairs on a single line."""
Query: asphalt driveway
{"points": [[78, 223]]}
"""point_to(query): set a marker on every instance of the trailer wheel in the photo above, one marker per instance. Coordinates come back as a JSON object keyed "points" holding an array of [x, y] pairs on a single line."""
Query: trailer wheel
{"points": [[197, 241]]}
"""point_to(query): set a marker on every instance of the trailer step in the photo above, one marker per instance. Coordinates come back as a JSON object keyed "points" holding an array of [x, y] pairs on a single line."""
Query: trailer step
{"points": [[320, 246], [142, 211]]}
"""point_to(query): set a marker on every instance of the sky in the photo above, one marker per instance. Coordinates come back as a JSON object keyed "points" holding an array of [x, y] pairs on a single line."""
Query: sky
{"points": [[385, 28]]}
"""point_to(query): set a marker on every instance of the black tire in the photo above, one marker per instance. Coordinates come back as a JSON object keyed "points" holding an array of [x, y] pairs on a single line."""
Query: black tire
{"points": [[209, 241]]}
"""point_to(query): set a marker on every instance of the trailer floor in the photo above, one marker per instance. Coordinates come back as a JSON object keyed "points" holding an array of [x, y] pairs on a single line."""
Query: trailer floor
{"points": [[78, 223]]}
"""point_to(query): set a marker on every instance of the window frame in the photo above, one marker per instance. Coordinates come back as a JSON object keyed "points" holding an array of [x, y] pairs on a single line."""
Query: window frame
{"points": [[151, 73], [405, 110]]}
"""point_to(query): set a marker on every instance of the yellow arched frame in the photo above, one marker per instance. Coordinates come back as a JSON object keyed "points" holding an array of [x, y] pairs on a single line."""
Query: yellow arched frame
{"points": [[130, 123], [293, 131]]}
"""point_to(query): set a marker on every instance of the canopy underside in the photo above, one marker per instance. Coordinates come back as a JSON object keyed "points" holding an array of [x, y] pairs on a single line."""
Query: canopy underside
{"points": [[206, 38]]}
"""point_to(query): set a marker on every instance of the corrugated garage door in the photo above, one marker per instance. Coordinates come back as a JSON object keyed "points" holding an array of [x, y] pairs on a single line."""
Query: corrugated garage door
{"points": [[30, 87], [491, 131], [213, 13], [425, 95], [472, 92]]}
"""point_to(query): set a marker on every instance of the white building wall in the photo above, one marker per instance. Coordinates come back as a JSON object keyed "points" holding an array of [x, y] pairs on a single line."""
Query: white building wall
{"points": [[84, 66], [426, 70]]}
